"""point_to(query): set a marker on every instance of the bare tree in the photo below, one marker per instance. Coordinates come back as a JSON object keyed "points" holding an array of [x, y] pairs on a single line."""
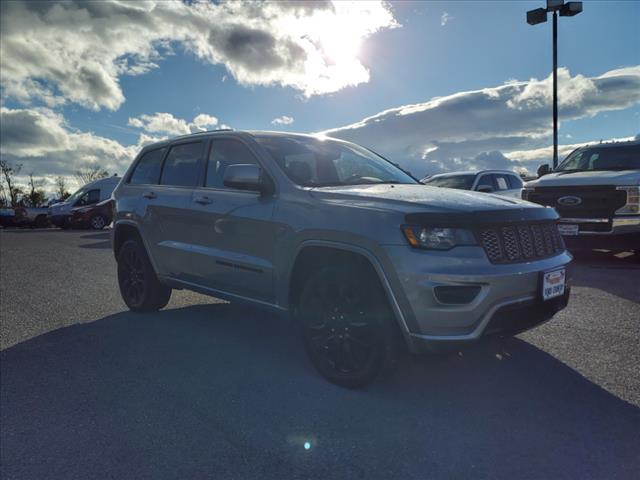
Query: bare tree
{"points": [[3, 197], [35, 196], [61, 188], [89, 174], [9, 173]]}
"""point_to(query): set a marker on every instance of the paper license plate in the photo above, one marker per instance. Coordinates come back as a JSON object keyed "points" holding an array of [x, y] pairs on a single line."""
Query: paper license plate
{"points": [[567, 229], [553, 283]]}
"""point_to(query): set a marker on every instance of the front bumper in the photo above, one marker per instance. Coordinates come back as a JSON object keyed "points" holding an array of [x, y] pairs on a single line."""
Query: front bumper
{"points": [[618, 233], [502, 288]]}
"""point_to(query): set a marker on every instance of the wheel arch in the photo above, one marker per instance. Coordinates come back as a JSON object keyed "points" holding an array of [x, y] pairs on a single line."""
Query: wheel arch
{"points": [[318, 252]]}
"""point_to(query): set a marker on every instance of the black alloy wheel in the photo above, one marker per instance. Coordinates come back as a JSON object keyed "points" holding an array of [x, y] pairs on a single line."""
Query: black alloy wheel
{"points": [[347, 326], [139, 285]]}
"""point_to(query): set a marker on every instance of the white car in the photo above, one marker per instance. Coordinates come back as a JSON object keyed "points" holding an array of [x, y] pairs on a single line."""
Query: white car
{"points": [[596, 191], [500, 182], [90, 194]]}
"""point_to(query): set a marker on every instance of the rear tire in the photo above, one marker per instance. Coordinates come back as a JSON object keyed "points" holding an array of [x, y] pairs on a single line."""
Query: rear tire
{"points": [[97, 222], [139, 286], [347, 327]]}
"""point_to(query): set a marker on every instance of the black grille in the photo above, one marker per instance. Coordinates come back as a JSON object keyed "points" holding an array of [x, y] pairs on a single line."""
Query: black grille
{"points": [[595, 201], [520, 243]]}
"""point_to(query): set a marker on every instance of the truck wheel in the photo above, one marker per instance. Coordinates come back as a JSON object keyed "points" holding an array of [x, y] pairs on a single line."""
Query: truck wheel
{"points": [[97, 222], [347, 326], [139, 286]]}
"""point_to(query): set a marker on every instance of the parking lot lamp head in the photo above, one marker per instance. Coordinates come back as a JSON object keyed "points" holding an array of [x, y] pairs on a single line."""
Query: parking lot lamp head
{"points": [[539, 15]]}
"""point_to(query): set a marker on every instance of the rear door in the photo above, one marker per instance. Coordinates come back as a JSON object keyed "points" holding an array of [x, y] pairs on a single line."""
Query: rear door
{"points": [[167, 221], [232, 230]]}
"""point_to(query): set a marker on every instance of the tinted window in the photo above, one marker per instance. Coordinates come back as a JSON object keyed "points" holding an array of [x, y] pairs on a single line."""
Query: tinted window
{"points": [[487, 180], [223, 153], [147, 170], [461, 182], [181, 165], [515, 181]]}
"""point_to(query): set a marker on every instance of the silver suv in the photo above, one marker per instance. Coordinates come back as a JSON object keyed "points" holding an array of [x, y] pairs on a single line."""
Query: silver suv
{"points": [[366, 260]]}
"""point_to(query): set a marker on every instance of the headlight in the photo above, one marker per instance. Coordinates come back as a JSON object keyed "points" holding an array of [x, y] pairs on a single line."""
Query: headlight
{"points": [[436, 238], [526, 191], [633, 201]]}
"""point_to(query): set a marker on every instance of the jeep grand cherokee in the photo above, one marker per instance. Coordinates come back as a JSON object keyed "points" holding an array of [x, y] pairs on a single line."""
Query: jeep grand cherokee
{"points": [[365, 259]]}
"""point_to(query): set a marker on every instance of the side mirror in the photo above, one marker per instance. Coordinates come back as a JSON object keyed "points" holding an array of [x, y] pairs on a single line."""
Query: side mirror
{"points": [[543, 170], [244, 177], [484, 188]]}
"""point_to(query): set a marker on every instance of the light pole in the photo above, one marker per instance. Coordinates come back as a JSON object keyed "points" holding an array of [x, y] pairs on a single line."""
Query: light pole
{"points": [[539, 15]]}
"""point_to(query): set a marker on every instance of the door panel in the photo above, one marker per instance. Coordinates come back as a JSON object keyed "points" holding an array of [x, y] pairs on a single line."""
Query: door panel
{"points": [[233, 237], [231, 230]]}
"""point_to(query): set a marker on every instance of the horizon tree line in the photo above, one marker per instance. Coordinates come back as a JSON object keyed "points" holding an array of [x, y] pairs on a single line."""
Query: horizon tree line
{"points": [[14, 194]]}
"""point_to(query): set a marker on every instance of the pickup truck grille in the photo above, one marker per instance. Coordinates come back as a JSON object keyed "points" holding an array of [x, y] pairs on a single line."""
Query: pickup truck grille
{"points": [[595, 201], [520, 242]]}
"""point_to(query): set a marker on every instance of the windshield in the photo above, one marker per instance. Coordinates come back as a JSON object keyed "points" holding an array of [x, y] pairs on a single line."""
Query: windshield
{"points": [[75, 196], [461, 182], [607, 158], [314, 162]]}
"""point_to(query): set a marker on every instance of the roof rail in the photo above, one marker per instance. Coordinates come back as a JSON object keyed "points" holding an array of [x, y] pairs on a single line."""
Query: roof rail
{"points": [[205, 131]]}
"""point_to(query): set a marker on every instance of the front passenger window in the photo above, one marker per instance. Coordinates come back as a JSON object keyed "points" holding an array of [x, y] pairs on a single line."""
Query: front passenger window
{"points": [[89, 198], [225, 152]]}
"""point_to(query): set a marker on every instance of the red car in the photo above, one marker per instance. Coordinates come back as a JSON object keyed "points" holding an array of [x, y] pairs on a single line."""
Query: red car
{"points": [[95, 216]]}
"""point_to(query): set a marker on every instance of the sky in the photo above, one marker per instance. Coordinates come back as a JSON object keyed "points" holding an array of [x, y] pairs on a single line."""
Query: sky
{"points": [[434, 86]]}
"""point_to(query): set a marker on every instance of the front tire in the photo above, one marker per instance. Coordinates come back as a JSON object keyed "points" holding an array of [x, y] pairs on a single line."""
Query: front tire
{"points": [[139, 286], [348, 329]]}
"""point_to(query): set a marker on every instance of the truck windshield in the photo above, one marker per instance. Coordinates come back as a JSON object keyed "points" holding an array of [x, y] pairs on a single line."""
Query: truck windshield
{"points": [[316, 162], [461, 182], [603, 158]]}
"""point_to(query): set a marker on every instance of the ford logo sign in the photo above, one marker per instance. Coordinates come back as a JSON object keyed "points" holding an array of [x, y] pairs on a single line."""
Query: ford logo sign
{"points": [[570, 201]]}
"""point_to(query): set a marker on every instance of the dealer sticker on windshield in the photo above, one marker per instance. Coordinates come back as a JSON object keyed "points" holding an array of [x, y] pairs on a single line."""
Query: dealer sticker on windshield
{"points": [[553, 284]]}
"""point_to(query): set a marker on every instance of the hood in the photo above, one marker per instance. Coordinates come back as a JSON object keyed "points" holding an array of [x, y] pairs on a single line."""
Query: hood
{"points": [[417, 198], [593, 177]]}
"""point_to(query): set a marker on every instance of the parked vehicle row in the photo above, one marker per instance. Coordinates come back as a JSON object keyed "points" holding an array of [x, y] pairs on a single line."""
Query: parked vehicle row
{"points": [[364, 258], [89, 207]]}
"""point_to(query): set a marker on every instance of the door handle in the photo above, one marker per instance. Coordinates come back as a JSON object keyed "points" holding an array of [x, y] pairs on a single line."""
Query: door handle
{"points": [[204, 200], [149, 195]]}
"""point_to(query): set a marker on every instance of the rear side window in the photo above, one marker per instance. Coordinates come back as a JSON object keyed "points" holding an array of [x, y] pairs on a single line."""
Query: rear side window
{"points": [[501, 182], [515, 181], [225, 152], [147, 170], [181, 166]]}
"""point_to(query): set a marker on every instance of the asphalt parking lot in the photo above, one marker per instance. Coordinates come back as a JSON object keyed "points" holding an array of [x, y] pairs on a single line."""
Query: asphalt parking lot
{"points": [[207, 389]]}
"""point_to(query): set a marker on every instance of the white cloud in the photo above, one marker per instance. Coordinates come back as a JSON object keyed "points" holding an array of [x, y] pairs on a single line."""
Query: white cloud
{"points": [[460, 130], [445, 18], [166, 123], [41, 140], [76, 52], [283, 120]]}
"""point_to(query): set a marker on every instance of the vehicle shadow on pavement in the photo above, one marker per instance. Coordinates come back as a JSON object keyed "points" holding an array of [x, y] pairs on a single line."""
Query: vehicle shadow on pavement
{"points": [[608, 272], [104, 236], [224, 391]]}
